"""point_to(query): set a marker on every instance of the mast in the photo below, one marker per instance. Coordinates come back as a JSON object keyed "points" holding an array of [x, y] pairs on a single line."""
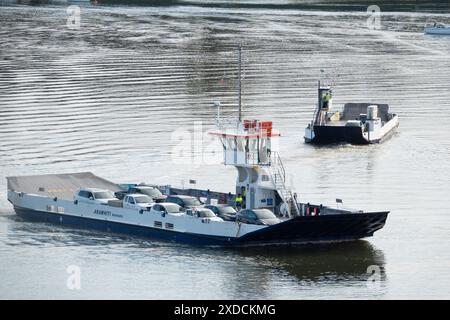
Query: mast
{"points": [[240, 86]]}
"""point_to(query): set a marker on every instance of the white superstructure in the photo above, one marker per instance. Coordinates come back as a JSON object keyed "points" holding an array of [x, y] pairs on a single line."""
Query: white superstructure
{"points": [[251, 146]]}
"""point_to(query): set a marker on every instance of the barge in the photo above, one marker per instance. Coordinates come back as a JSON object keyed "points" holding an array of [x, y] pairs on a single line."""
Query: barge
{"points": [[357, 123]]}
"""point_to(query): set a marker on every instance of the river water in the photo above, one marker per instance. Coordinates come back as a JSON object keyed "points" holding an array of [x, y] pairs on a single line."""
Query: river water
{"points": [[115, 95]]}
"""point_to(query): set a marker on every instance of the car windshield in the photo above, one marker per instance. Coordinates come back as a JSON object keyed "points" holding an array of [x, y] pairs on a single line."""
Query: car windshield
{"points": [[191, 201], [205, 213], [264, 214], [152, 192], [143, 199], [103, 195], [227, 210], [172, 208]]}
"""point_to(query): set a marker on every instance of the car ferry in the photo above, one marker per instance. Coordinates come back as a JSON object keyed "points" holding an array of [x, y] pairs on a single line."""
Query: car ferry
{"points": [[269, 213], [88, 201]]}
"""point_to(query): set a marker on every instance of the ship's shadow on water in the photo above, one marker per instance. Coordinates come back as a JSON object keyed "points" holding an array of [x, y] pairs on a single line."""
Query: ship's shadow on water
{"points": [[353, 261]]}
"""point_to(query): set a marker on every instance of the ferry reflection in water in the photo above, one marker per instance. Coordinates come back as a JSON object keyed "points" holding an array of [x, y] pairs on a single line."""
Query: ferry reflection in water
{"points": [[247, 272], [350, 261]]}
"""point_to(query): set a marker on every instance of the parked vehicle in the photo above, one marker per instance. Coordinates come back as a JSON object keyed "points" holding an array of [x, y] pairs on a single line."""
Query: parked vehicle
{"points": [[257, 216], [137, 201], [93, 195], [203, 213], [166, 208], [150, 191], [227, 213], [184, 201]]}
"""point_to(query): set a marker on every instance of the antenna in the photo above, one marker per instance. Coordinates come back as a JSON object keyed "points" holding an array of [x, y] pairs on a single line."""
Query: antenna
{"points": [[240, 86]]}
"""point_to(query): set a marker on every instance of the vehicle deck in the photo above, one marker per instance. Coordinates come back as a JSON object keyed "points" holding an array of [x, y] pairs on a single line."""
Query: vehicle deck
{"points": [[62, 186]]}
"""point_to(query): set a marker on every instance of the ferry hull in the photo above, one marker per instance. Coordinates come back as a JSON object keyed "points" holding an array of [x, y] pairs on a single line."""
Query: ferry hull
{"points": [[303, 229], [122, 228], [337, 227], [335, 134], [342, 134]]}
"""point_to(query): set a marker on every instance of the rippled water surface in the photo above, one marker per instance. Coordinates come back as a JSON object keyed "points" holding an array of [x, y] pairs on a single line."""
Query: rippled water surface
{"points": [[108, 97]]}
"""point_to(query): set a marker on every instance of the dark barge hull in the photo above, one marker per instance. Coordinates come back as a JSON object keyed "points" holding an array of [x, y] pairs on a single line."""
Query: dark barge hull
{"points": [[339, 134], [337, 227], [311, 229]]}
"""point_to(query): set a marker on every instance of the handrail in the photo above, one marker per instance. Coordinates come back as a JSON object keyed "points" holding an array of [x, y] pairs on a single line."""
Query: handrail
{"points": [[280, 171], [280, 165], [316, 115]]}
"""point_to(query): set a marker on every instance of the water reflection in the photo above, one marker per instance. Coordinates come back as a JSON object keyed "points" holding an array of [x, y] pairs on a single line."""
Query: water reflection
{"points": [[321, 263]]}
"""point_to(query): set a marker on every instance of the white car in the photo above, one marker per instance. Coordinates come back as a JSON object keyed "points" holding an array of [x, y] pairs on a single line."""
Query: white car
{"points": [[203, 213], [137, 201], [93, 195], [167, 208]]}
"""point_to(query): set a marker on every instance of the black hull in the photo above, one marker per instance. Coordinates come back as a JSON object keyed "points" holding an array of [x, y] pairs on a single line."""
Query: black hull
{"points": [[337, 227], [309, 229], [339, 134]]}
